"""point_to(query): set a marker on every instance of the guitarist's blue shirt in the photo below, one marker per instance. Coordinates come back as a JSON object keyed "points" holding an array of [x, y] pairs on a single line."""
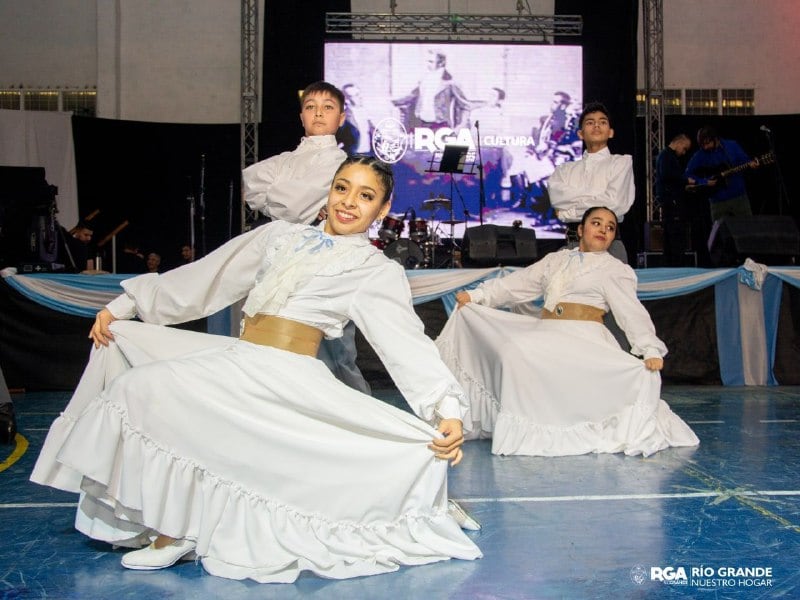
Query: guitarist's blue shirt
{"points": [[704, 164]]}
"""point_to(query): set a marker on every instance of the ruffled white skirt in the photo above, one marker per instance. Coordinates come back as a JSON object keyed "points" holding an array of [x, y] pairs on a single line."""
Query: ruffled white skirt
{"points": [[555, 388], [260, 455]]}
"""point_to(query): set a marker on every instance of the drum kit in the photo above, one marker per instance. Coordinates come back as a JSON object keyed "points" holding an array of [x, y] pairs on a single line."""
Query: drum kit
{"points": [[419, 249]]}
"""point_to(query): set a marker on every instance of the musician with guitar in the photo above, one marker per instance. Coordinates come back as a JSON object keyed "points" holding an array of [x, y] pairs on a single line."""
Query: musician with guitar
{"points": [[717, 169]]}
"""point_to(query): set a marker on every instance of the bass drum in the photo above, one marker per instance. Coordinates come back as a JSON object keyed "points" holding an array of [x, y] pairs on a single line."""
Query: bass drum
{"points": [[407, 253], [418, 230], [391, 228]]}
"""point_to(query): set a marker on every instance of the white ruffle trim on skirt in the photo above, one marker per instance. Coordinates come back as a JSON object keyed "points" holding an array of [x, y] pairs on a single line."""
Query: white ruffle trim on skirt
{"points": [[241, 534], [484, 407], [635, 431], [210, 476], [547, 388]]}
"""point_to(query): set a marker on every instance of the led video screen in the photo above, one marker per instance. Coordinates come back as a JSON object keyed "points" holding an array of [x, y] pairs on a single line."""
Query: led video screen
{"points": [[513, 108]]}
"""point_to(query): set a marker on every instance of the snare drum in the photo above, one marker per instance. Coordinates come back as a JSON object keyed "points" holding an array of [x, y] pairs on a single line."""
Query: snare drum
{"points": [[418, 230], [391, 228], [407, 253]]}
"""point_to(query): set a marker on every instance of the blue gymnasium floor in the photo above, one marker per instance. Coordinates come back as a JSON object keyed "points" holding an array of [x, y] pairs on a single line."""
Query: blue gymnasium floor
{"points": [[572, 527]]}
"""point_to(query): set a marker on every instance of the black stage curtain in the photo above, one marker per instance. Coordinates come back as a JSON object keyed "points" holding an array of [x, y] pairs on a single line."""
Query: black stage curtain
{"points": [[40, 349], [43, 349], [609, 60], [787, 351], [687, 325], [609, 76], [294, 39], [144, 173]]}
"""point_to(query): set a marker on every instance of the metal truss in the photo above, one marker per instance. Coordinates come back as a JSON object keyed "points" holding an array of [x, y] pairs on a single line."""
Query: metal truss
{"points": [[249, 91], [529, 28], [653, 16]]}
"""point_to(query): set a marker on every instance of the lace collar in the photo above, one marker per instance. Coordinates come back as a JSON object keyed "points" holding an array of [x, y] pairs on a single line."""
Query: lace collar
{"points": [[295, 254]]}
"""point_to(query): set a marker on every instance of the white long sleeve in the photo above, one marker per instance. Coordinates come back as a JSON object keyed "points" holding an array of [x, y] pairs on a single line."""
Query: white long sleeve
{"points": [[631, 315], [199, 288], [519, 286], [294, 186], [399, 339], [598, 179], [601, 281]]}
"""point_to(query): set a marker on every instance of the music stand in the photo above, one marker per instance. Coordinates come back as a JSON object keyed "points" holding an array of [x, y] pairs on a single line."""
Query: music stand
{"points": [[453, 159]]}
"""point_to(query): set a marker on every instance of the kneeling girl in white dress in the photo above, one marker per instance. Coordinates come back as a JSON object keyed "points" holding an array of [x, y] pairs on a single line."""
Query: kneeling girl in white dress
{"points": [[561, 384], [249, 453]]}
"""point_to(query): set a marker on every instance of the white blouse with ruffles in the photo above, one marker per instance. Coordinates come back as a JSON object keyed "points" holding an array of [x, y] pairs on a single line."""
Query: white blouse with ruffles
{"points": [[300, 273], [569, 275], [293, 186]]}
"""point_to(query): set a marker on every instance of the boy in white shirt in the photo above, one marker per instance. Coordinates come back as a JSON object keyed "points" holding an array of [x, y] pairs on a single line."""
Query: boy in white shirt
{"points": [[599, 178], [293, 186]]}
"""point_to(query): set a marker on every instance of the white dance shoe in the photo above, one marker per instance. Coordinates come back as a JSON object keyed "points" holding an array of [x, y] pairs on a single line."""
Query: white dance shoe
{"points": [[152, 558], [461, 517]]}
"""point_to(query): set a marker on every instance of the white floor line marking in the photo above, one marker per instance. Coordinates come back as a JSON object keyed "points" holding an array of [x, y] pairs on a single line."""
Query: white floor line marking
{"points": [[40, 505], [630, 496], [513, 499]]}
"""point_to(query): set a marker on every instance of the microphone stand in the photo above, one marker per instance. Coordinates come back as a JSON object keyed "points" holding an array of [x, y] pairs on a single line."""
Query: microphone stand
{"points": [[202, 205], [190, 199], [230, 210], [783, 195], [481, 189]]}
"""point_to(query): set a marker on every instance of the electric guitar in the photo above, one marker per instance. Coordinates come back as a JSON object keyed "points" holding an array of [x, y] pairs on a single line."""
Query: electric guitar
{"points": [[720, 173]]}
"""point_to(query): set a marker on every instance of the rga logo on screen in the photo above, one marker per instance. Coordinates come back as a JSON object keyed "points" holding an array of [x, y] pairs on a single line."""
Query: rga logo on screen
{"points": [[390, 140]]}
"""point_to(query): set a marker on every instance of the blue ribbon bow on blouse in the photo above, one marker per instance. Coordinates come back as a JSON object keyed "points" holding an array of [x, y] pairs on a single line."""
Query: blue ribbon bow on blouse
{"points": [[315, 235]]}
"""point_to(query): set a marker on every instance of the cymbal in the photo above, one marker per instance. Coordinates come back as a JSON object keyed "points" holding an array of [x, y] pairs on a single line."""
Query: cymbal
{"points": [[451, 222], [434, 203]]}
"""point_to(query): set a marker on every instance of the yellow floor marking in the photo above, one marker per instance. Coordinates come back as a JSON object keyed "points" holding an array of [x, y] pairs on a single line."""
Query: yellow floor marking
{"points": [[16, 454]]}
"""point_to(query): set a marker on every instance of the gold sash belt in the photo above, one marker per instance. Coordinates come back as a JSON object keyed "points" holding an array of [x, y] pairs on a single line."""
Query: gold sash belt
{"points": [[573, 311], [285, 334]]}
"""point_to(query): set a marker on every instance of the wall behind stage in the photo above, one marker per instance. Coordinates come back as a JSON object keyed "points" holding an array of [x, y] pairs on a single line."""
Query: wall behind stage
{"points": [[144, 171]]}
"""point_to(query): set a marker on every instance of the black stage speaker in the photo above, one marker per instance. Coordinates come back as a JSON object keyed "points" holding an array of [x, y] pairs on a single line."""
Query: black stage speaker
{"points": [[767, 239], [653, 236], [655, 233], [27, 216], [493, 245]]}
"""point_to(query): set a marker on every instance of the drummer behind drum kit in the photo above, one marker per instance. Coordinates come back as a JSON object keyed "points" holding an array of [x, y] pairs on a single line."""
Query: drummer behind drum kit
{"points": [[419, 250]]}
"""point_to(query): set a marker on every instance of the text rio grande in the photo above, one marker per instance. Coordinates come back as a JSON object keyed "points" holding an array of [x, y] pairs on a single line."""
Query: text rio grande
{"points": [[707, 576]]}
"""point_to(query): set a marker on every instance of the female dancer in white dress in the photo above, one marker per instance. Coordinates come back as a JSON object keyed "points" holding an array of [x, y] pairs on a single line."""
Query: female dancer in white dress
{"points": [[561, 384], [249, 452]]}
